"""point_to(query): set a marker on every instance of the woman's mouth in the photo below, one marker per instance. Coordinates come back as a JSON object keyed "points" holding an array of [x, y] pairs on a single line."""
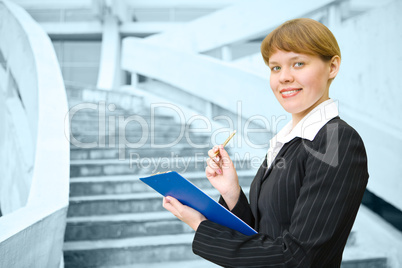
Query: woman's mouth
{"points": [[290, 92]]}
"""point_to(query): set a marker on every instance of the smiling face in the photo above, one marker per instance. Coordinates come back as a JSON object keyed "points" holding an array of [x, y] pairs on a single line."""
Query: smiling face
{"points": [[301, 82]]}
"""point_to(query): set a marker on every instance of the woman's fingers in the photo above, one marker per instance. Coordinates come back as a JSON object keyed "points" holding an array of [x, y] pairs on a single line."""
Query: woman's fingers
{"points": [[218, 161], [214, 160], [184, 213], [226, 162], [210, 172], [214, 167], [213, 153], [169, 206], [174, 206]]}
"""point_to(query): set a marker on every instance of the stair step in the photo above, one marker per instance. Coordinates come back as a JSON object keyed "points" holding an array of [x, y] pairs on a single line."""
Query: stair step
{"points": [[145, 142], [355, 258], [123, 116], [124, 226], [128, 242], [125, 100], [120, 204], [86, 110], [180, 149], [169, 249], [127, 251], [125, 184], [201, 263], [92, 114], [140, 139], [84, 126], [134, 135], [155, 122], [373, 237], [144, 166]]}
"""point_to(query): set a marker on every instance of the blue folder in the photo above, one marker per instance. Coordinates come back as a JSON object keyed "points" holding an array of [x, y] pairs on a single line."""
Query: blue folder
{"points": [[173, 184]]}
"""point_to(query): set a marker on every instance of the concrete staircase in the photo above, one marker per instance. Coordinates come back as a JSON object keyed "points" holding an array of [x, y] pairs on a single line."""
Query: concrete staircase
{"points": [[115, 220]]}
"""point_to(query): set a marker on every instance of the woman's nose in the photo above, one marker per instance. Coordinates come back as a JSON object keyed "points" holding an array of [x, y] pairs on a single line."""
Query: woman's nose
{"points": [[286, 75]]}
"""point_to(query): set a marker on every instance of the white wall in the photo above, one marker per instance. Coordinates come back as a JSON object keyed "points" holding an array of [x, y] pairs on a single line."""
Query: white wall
{"points": [[368, 88]]}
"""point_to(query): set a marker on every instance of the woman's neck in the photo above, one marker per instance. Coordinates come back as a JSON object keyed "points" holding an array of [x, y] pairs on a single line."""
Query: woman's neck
{"points": [[296, 118]]}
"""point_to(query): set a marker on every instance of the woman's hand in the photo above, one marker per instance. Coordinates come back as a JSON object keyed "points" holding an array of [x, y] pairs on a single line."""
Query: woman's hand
{"points": [[184, 213], [222, 174]]}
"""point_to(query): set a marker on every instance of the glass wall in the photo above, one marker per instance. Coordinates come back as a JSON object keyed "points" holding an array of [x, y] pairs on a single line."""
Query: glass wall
{"points": [[79, 61]]}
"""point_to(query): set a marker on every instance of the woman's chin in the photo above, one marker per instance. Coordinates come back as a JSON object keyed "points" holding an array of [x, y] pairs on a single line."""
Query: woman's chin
{"points": [[292, 109]]}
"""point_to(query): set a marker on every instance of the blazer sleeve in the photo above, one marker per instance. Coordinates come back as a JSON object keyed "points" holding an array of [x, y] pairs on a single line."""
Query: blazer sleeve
{"points": [[241, 209], [330, 195]]}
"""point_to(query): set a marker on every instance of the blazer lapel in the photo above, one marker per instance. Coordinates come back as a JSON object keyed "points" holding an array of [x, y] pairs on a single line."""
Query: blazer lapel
{"points": [[262, 174], [255, 192]]}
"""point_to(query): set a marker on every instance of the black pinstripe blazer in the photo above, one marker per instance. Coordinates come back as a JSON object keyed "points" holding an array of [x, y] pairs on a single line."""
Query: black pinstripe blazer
{"points": [[303, 206]]}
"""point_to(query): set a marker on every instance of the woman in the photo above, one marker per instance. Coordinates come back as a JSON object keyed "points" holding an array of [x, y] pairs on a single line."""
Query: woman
{"points": [[306, 194]]}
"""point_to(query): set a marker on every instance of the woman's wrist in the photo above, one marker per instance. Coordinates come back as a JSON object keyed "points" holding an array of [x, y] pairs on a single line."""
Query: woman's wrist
{"points": [[195, 225], [231, 197]]}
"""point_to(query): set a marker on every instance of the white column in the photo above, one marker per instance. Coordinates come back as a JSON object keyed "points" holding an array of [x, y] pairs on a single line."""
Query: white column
{"points": [[134, 79], [109, 68]]}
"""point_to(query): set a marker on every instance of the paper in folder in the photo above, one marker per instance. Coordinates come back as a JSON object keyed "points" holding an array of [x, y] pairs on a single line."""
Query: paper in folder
{"points": [[173, 184]]}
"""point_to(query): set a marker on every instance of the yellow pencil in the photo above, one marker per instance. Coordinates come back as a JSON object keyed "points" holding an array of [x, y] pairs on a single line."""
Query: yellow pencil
{"points": [[227, 140]]}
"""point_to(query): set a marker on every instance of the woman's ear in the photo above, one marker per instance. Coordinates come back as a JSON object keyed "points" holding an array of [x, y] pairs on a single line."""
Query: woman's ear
{"points": [[335, 63]]}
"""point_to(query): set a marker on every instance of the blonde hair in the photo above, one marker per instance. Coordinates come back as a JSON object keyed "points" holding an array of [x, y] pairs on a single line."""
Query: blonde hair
{"points": [[302, 35]]}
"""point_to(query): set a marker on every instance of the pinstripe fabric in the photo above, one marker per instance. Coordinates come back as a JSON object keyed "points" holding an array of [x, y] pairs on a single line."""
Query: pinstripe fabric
{"points": [[303, 206]]}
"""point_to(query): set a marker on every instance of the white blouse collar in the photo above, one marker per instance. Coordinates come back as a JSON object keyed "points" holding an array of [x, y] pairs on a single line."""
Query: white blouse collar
{"points": [[309, 126]]}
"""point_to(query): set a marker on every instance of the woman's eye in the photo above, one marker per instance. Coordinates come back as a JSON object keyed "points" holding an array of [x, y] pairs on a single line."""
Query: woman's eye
{"points": [[299, 64], [275, 68]]}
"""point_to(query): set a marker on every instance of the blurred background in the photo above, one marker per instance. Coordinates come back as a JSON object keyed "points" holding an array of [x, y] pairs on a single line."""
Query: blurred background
{"points": [[98, 93]]}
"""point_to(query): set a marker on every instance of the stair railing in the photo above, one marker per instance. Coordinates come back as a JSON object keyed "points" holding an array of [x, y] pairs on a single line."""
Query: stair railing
{"points": [[34, 157], [236, 23]]}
